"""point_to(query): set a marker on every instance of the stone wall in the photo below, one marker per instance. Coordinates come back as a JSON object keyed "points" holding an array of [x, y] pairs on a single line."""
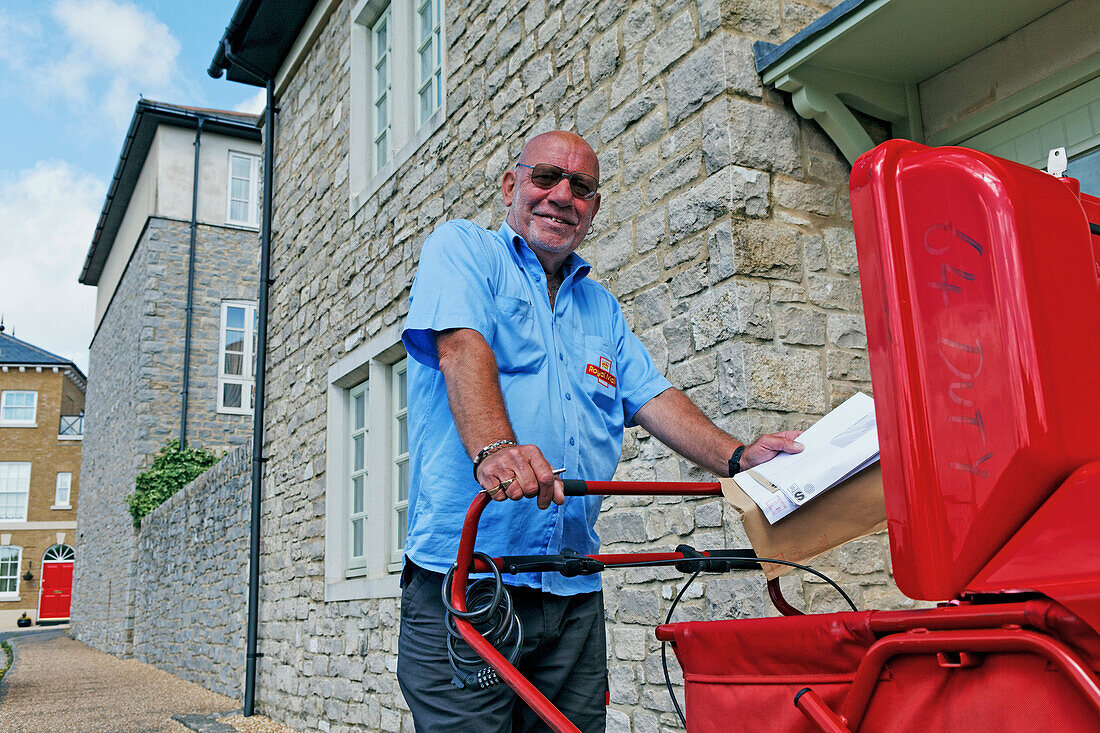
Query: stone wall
{"points": [[133, 403], [724, 231], [191, 572]]}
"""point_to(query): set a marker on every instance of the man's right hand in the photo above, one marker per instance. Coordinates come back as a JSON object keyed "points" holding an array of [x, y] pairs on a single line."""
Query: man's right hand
{"points": [[530, 474]]}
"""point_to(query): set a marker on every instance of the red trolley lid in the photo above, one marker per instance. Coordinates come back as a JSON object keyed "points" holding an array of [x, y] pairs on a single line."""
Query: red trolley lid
{"points": [[981, 291]]}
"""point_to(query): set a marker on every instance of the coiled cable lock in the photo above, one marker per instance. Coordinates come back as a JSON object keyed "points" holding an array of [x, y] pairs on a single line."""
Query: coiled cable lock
{"points": [[490, 611]]}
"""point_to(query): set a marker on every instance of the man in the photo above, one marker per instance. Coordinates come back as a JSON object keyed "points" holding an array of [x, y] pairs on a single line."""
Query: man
{"points": [[521, 365]]}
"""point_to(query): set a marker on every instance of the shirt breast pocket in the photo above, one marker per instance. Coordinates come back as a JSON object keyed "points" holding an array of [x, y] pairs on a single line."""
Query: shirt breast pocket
{"points": [[601, 371], [516, 343]]}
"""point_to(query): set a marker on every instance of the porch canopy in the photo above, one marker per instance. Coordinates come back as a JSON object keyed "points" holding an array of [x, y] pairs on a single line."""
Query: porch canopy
{"points": [[871, 56]]}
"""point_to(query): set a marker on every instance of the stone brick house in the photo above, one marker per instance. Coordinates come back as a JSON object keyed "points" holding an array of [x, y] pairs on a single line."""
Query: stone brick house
{"points": [[172, 356], [41, 426], [725, 133]]}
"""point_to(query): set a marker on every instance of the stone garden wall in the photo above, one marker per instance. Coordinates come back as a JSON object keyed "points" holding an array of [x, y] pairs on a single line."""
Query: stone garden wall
{"points": [[191, 578]]}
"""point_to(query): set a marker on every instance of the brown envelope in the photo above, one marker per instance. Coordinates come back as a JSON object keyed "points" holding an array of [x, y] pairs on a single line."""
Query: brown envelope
{"points": [[848, 511]]}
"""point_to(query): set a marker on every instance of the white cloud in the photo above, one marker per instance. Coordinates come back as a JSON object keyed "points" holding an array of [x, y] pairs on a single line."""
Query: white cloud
{"points": [[107, 54], [49, 213], [254, 105]]}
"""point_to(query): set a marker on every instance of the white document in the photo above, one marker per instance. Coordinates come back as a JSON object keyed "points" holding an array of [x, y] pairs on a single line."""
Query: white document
{"points": [[838, 446], [772, 502]]}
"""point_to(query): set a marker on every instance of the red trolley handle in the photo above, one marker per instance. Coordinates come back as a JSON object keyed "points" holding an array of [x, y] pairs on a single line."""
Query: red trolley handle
{"points": [[545, 709]]}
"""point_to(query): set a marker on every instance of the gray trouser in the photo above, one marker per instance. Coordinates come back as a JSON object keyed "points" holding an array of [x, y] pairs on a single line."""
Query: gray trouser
{"points": [[563, 655]]}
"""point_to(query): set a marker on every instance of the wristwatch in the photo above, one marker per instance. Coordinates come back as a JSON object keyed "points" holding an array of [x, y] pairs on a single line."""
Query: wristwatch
{"points": [[735, 460]]}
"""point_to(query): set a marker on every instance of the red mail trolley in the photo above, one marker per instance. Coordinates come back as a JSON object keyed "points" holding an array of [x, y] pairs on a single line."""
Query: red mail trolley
{"points": [[981, 290]]}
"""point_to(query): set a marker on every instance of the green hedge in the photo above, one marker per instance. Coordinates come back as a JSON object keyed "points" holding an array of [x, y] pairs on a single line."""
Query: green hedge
{"points": [[172, 469]]}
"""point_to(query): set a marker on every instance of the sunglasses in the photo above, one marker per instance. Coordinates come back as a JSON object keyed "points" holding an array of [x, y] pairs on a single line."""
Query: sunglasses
{"points": [[544, 175]]}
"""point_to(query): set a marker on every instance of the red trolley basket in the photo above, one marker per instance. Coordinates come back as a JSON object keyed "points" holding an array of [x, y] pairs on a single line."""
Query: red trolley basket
{"points": [[981, 289]]}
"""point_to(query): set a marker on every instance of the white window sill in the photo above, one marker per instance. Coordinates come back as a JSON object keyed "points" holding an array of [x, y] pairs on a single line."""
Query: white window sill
{"points": [[233, 411], [362, 588], [399, 159], [5, 597], [70, 437], [243, 225], [62, 506], [13, 424]]}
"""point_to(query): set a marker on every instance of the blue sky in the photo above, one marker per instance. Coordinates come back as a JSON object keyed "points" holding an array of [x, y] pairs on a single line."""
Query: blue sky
{"points": [[71, 72]]}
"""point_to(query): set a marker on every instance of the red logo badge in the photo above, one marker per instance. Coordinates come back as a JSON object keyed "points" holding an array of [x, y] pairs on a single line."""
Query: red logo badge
{"points": [[602, 373]]}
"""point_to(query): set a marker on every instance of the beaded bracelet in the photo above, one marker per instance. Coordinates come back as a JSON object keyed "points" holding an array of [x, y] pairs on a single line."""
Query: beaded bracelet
{"points": [[488, 451]]}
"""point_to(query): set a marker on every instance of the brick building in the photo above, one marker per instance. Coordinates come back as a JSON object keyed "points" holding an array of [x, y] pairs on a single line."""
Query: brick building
{"points": [[41, 425], [172, 356]]}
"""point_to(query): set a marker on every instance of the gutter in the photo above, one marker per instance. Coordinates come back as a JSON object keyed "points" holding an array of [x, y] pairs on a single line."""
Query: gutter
{"points": [[190, 288], [251, 655]]}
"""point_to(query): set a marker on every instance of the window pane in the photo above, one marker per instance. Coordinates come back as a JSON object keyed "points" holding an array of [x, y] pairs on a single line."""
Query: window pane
{"points": [[380, 152], [402, 434], [382, 120], [438, 48], [238, 210], [234, 317], [425, 65], [231, 395], [357, 495], [403, 481], [357, 538], [357, 453], [1086, 169], [401, 390], [380, 79], [359, 410], [381, 44], [242, 167], [425, 21], [234, 340], [425, 104], [234, 364], [402, 526], [239, 189], [438, 91]]}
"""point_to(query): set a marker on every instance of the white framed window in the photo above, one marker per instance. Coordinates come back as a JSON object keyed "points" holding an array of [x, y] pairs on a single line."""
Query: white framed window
{"points": [[10, 559], [15, 484], [62, 491], [58, 553], [366, 470], [237, 357], [358, 476], [242, 201], [399, 458], [429, 51], [18, 408], [381, 114], [399, 78]]}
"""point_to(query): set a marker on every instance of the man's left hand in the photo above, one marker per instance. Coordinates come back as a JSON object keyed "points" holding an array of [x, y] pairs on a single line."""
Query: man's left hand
{"points": [[767, 447]]}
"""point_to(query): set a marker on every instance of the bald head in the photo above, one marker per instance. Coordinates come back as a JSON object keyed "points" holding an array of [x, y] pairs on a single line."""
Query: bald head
{"points": [[553, 221], [561, 140]]}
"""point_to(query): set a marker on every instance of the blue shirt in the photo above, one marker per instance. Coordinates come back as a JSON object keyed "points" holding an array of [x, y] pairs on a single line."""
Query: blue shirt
{"points": [[571, 376]]}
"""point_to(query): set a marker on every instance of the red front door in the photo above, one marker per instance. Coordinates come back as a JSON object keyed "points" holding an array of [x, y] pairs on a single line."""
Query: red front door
{"points": [[57, 590]]}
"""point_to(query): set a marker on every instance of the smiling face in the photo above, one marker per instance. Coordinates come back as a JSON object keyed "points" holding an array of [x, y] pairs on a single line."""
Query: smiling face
{"points": [[552, 221]]}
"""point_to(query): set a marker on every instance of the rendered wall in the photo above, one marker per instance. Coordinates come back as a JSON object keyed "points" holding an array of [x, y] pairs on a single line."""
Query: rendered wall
{"points": [[164, 190]]}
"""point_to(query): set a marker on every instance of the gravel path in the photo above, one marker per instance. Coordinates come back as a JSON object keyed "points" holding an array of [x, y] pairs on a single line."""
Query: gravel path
{"points": [[58, 685]]}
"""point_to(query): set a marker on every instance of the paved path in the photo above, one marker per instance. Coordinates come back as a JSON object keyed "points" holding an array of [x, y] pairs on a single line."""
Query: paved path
{"points": [[58, 685]]}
